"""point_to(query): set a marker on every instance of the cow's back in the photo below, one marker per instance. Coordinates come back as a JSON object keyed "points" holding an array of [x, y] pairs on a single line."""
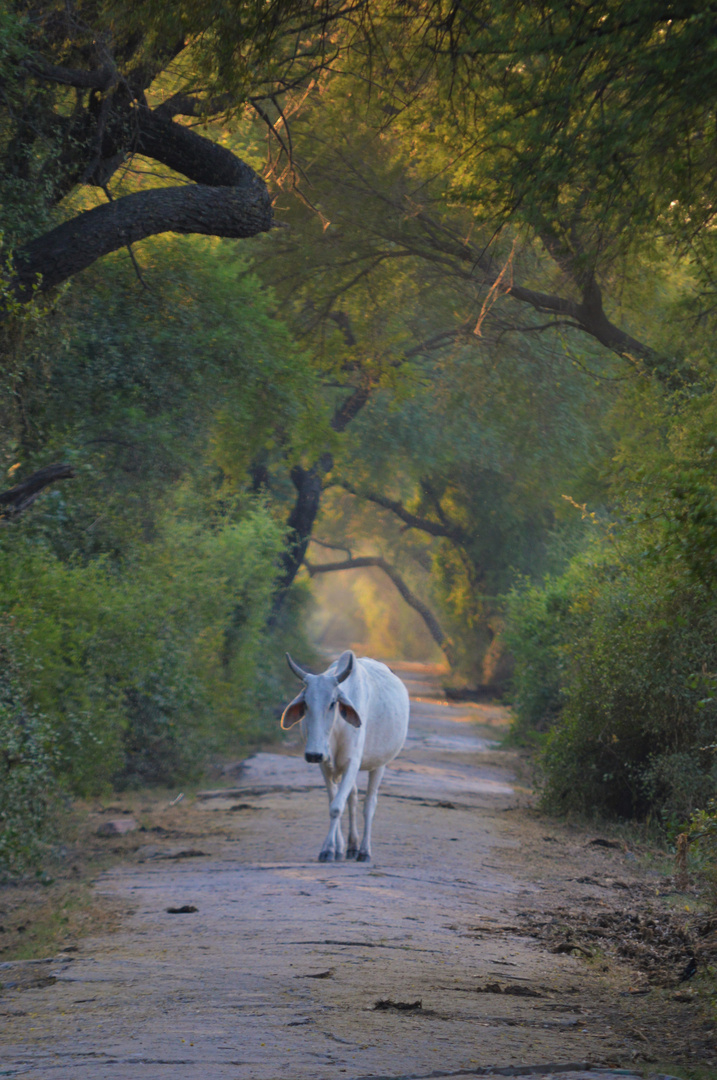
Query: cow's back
{"points": [[383, 705]]}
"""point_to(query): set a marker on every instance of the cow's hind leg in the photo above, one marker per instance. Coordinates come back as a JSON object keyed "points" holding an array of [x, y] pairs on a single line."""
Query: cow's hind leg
{"points": [[333, 847], [353, 849], [374, 782]]}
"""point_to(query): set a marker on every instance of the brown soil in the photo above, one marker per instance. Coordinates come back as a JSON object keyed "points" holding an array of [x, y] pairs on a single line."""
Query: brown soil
{"points": [[481, 937]]}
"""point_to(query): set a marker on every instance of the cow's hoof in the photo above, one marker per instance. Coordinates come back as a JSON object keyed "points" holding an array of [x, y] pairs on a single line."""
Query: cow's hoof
{"points": [[352, 853], [339, 856], [326, 856], [363, 856]]}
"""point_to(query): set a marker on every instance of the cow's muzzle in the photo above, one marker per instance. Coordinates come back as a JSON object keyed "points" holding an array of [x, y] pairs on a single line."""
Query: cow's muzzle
{"points": [[313, 758]]}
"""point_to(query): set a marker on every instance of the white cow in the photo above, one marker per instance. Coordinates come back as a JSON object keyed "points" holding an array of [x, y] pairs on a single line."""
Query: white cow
{"points": [[353, 716]]}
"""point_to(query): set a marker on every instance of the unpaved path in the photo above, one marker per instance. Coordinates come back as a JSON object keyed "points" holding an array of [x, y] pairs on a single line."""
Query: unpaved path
{"points": [[282, 969]]}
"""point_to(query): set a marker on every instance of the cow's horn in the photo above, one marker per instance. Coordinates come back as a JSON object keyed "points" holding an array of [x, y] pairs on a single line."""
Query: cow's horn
{"points": [[347, 660], [299, 672]]}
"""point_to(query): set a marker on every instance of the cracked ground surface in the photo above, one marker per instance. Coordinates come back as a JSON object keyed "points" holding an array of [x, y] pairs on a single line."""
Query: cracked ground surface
{"points": [[422, 963]]}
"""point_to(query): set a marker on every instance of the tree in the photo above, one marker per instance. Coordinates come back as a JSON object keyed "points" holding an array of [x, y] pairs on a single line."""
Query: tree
{"points": [[87, 87], [471, 411]]}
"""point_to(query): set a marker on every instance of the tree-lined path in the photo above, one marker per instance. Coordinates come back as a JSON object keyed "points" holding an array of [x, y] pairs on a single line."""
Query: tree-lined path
{"points": [[418, 964]]}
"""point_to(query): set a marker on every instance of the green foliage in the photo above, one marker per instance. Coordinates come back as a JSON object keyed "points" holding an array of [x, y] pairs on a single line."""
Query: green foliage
{"points": [[628, 651], [28, 792], [537, 618], [633, 735], [141, 589], [702, 838], [131, 668], [501, 148]]}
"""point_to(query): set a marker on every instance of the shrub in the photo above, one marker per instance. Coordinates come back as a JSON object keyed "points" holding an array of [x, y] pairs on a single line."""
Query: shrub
{"points": [[536, 625], [702, 838], [132, 667], [614, 657], [27, 785]]}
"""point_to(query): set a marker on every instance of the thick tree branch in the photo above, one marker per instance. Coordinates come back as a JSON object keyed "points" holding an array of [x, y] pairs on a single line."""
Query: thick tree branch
{"points": [[99, 79], [589, 317], [434, 528], [76, 244], [349, 408], [229, 198], [308, 484], [185, 151], [343, 322], [362, 561], [588, 313], [18, 498], [412, 231], [182, 104], [333, 547]]}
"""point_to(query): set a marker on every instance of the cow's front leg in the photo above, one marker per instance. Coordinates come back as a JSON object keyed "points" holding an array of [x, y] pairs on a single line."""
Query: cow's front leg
{"points": [[374, 782], [333, 847], [353, 848], [334, 843]]}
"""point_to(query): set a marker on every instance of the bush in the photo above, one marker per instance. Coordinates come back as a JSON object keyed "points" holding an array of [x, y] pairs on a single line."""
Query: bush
{"points": [[536, 626], [701, 836], [27, 786], [619, 655], [614, 658], [132, 667]]}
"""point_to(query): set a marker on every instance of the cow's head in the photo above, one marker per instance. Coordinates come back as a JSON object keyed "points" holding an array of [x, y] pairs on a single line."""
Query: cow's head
{"points": [[321, 700]]}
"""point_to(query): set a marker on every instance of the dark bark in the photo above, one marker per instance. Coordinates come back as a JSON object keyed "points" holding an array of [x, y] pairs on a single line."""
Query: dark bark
{"points": [[350, 408], [76, 244], [361, 561], [100, 79], [228, 198], [181, 104], [187, 152], [413, 521], [18, 498], [309, 484], [586, 314]]}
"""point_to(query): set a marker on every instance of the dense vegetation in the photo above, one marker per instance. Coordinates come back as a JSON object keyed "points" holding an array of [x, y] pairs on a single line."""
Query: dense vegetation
{"points": [[476, 356]]}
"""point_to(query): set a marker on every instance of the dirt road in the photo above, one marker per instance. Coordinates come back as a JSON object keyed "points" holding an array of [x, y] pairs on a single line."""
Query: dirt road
{"points": [[421, 963]]}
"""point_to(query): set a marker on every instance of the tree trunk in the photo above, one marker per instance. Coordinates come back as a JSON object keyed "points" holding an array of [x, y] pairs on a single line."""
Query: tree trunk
{"points": [[308, 484], [299, 526]]}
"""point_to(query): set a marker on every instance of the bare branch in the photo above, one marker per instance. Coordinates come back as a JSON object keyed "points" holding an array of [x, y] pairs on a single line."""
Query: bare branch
{"points": [[332, 547]]}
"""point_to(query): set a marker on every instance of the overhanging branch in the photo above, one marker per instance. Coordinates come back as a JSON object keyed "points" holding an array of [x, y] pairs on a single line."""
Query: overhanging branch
{"points": [[76, 244], [433, 528], [18, 498], [364, 561], [99, 79]]}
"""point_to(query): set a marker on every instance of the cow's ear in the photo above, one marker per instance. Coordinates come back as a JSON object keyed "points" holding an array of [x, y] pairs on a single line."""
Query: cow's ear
{"points": [[293, 712], [348, 710]]}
